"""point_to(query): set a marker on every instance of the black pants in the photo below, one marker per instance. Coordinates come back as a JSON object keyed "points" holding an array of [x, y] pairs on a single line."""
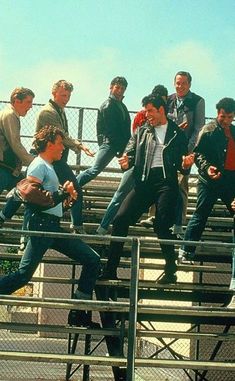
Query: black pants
{"points": [[155, 191]]}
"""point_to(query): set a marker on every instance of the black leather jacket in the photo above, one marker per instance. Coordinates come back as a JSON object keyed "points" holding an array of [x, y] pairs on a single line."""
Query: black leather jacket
{"points": [[142, 145], [113, 125], [211, 149]]}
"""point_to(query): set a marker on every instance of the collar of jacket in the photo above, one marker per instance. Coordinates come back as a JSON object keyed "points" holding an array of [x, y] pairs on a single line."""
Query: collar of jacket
{"points": [[111, 96], [55, 105], [232, 128], [171, 130]]}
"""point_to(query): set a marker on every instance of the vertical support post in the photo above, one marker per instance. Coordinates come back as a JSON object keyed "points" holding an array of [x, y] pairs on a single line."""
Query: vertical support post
{"points": [[86, 368], [79, 135], [135, 256]]}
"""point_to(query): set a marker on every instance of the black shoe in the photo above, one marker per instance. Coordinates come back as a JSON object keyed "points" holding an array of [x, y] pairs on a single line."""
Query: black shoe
{"points": [[108, 275], [81, 319], [167, 278], [120, 374]]}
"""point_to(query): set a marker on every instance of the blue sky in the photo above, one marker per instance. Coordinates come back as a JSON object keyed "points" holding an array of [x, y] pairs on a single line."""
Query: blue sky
{"points": [[88, 42]]}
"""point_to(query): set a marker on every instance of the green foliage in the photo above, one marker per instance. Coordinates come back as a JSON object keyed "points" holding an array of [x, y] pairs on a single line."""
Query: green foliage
{"points": [[9, 266]]}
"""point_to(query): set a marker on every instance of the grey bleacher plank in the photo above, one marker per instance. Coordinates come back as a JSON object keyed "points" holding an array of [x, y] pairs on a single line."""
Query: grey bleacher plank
{"points": [[24, 327], [117, 361]]}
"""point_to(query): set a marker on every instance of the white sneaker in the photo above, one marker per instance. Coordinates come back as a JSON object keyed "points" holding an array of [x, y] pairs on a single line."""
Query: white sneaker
{"points": [[232, 302], [101, 231], [148, 223], [79, 229]]}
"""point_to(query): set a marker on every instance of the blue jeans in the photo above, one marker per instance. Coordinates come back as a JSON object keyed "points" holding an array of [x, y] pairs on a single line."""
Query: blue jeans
{"points": [[7, 180], [125, 186], [182, 201], [105, 154], [206, 197], [36, 247]]}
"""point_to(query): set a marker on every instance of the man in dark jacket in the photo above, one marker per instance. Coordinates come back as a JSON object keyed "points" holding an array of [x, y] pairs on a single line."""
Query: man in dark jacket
{"points": [[113, 130], [156, 151], [186, 109], [215, 159]]}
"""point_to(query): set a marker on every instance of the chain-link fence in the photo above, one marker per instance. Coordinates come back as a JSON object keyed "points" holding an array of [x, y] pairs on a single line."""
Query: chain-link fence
{"points": [[82, 125]]}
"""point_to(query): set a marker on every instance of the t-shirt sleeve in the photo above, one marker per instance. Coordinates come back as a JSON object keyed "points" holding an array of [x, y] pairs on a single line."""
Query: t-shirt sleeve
{"points": [[37, 170]]}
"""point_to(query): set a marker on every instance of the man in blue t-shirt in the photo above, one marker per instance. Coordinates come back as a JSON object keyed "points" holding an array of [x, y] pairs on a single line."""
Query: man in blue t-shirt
{"points": [[49, 146]]}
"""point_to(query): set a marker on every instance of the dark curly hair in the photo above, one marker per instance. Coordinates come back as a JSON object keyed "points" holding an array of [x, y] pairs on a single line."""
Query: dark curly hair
{"points": [[227, 104], [46, 134]]}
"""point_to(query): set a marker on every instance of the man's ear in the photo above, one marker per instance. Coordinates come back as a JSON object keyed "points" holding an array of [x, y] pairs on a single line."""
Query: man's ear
{"points": [[161, 110]]}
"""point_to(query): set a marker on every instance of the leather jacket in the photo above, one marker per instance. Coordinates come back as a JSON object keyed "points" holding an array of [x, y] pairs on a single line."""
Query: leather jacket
{"points": [[211, 149], [113, 125], [141, 147]]}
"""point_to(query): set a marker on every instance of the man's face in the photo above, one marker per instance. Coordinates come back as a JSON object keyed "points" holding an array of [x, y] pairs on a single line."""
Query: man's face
{"points": [[225, 119], [56, 148], [154, 115], [118, 91], [182, 85], [22, 107], [61, 96]]}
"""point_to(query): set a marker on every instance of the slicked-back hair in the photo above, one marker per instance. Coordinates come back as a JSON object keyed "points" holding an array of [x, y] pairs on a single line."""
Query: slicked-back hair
{"points": [[21, 93], [62, 83], [46, 134], [156, 101], [119, 81], [227, 104], [185, 74]]}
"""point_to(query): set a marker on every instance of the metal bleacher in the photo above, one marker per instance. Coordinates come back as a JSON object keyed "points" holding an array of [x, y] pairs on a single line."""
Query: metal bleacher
{"points": [[134, 311]]}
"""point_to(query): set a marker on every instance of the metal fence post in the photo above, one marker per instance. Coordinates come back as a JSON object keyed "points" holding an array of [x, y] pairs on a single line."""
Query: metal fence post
{"points": [[135, 254], [80, 129]]}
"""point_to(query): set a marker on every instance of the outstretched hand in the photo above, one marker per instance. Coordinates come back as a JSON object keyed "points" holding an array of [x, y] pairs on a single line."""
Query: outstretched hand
{"points": [[87, 151]]}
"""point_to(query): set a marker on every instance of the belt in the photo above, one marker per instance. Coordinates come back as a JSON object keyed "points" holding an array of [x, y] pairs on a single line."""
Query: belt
{"points": [[47, 217]]}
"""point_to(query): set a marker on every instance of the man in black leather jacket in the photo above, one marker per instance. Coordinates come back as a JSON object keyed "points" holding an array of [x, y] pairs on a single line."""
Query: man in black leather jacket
{"points": [[156, 151], [113, 130], [215, 159]]}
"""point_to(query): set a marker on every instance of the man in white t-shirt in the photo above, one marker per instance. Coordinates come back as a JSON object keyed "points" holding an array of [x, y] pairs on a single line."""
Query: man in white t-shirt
{"points": [[156, 152]]}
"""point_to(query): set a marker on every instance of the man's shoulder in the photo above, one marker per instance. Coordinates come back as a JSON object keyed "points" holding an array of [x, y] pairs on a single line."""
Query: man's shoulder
{"points": [[109, 102], [8, 114], [171, 97], [172, 125], [209, 127], [196, 98], [48, 107]]}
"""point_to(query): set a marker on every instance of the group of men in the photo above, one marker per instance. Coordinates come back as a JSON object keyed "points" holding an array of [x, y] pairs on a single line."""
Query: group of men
{"points": [[169, 137]]}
